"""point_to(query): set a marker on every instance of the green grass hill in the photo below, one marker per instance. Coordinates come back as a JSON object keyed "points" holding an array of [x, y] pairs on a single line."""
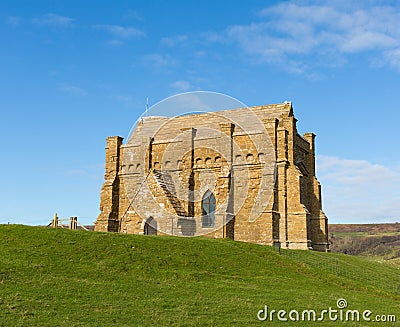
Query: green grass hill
{"points": [[57, 277]]}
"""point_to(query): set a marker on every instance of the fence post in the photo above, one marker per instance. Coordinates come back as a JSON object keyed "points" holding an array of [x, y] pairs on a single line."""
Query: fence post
{"points": [[73, 222], [54, 222]]}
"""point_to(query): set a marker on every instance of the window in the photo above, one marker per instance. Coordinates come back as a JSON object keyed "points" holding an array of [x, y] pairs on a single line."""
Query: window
{"points": [[208, 209], [150, 227]]}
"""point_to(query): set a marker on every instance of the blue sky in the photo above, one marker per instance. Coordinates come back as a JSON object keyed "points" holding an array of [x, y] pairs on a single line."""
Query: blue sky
{"points": [[75, 72]]}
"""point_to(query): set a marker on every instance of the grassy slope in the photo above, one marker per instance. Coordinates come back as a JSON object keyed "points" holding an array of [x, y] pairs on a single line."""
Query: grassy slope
{"points": [[73, 278]]}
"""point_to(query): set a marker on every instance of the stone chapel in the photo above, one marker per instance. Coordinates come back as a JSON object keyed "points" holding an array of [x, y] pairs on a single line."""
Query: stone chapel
{"points": [[244, 174]]}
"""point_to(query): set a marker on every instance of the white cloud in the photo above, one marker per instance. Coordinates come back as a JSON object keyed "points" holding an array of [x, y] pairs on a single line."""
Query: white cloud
{"points": [[132, 14], [121, 31], [186, 103], [74, 90], [297, 33], [54, 20], [173, 40], [359, 41], [181, 86], [393, 57], [157, 60], [357, 191], [212, 36]]}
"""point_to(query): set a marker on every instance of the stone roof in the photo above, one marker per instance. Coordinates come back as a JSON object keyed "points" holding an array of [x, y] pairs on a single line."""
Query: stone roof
{"points": [[245, 119]]}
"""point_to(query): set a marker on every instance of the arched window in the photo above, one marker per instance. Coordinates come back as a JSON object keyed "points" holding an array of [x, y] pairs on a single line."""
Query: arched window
{"points": [[208, 209], [150, 227]]}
